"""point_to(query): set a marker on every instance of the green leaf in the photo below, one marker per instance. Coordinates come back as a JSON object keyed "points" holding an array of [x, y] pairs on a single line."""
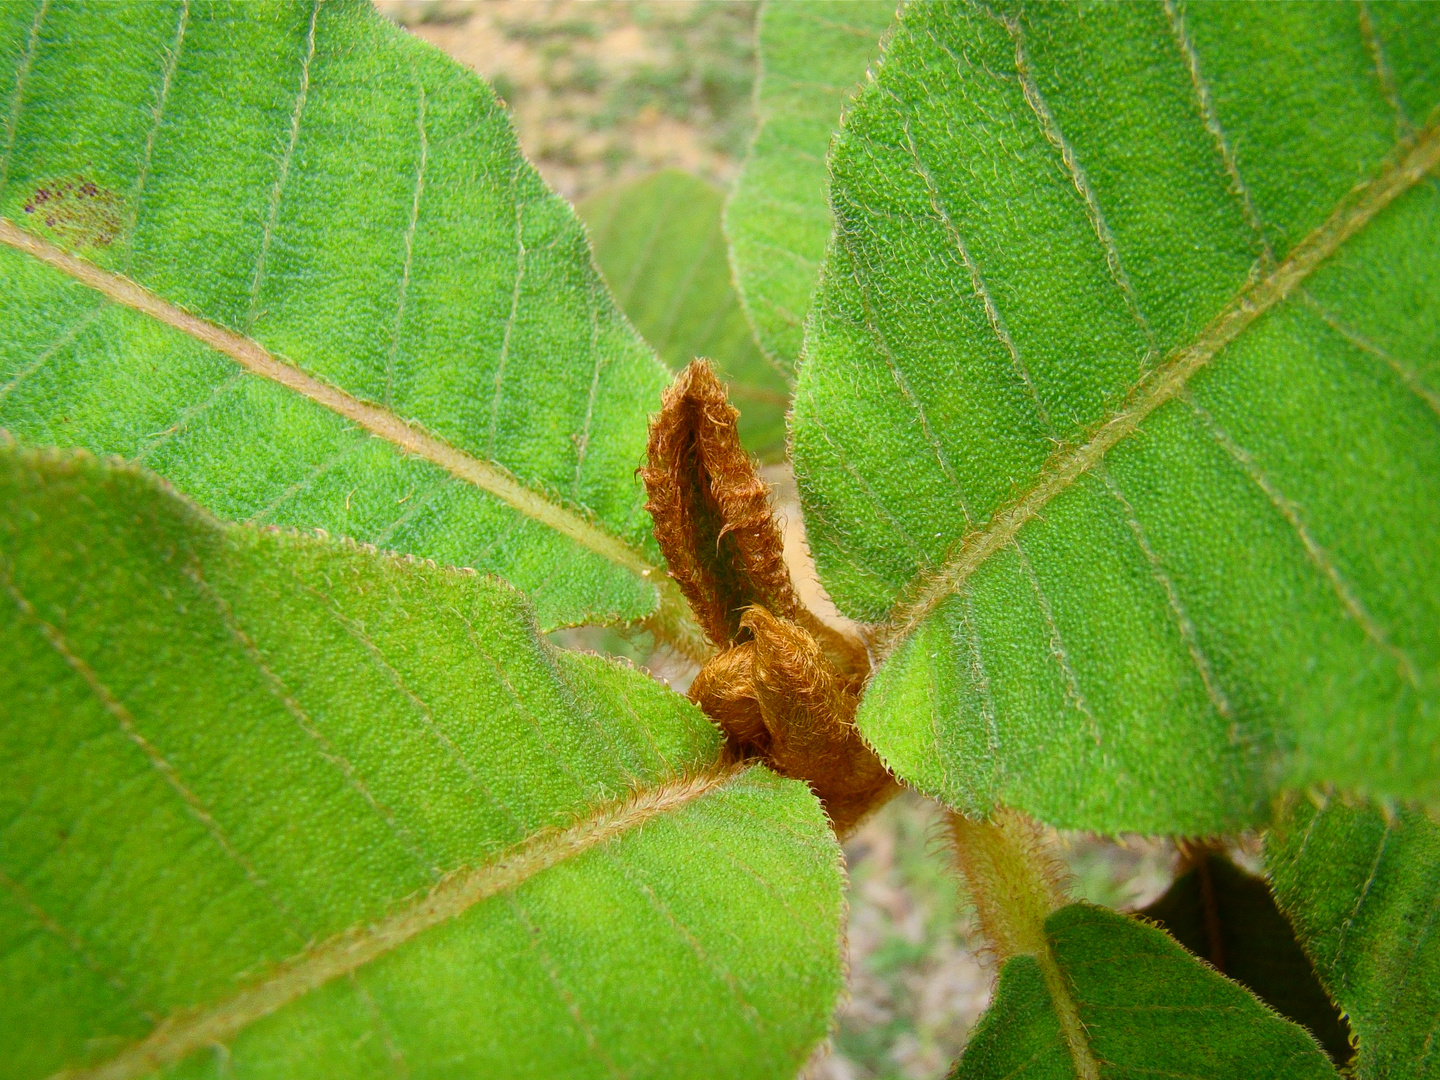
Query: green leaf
{"points": [[1146, 1007], [1229, 918], [810, 58], [659, 244], [1362, 890], [317, 286], [276, 805], [1121, 409]]}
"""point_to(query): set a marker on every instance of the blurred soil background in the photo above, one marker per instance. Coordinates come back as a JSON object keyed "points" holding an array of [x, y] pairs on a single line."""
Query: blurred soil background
{"points": [[603, 93]]}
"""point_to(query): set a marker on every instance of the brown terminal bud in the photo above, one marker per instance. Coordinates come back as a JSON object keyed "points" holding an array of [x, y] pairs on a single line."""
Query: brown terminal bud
{"points": [[778, 697], [785, 687]]}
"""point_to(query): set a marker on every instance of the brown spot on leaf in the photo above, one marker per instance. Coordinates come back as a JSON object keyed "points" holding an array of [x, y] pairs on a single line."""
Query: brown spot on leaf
{"points": [[78, 211]]}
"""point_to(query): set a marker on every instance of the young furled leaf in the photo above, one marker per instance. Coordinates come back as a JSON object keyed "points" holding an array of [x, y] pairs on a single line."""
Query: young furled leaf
{"points": [[281, 806], [785, 685], [712, 509], [291, 258], [1117, 410], [658, 241], [780, 698], [1362, 889], [1228, 918], [811, 57]]}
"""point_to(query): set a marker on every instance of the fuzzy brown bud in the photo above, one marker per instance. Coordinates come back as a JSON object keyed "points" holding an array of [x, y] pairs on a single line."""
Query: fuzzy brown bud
{"points": [[780, 698], [712, 510]]}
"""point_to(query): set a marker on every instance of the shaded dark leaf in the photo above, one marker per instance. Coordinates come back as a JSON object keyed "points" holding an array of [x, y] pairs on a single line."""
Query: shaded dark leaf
{"points": [[1228, 917]]}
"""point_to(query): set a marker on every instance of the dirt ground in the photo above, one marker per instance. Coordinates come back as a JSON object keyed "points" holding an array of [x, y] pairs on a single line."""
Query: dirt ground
{"points": [[607, 90]]}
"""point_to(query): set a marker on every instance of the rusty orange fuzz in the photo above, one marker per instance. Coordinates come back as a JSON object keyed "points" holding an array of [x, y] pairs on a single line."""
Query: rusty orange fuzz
{"points": [[785, 686], [778, 697]]}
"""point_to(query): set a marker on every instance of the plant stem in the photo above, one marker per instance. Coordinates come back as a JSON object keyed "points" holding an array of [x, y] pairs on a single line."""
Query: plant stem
{"points": [[1015, 885]]}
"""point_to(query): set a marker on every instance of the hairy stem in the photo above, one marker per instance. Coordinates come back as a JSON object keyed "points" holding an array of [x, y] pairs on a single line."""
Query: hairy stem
{"points": [[1015, 885]]}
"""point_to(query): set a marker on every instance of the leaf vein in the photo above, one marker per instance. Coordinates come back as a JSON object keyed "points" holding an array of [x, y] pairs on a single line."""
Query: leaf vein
{"points": [[870, 494], [416, 507], [591, 789], [172, 59], [644, 729], [181, 1034], [759, 878], [1211, 118], [488, 476], [1408, 968], [273, 215], [131, 730], [1050, 128], [69, 937], [1341, 939], [689, 939], [582, 437], [65, 338], [1186, 627], [982, 685], [307, 482], [504, 358], [1057, 646], [1384, 75], [1406, 371], [417, 191], [306, 724], [1318, 556], [379, 1025], [427, 717], [552, 972], [188, 414], [872, 324], [17, 96], [977, 282], [1407, 166]]}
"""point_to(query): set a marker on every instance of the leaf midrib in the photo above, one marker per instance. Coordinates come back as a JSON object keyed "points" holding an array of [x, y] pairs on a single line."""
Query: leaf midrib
{"points": [[489, 476], [1408, 163], [180, 1034]]}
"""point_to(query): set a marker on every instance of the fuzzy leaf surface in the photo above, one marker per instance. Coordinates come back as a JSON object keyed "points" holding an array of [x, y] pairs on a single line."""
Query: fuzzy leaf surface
{"points": [[659, 243], [811, 58], [275, 805], [1229, 919], [1147, 1007], [1363, 894], [337, 196], [1121, 409]]}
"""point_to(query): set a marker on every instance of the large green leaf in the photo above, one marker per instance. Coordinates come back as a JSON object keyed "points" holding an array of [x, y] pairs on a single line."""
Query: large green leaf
{"points": [[275, 805], [1145, 1008], [659, 243], [1362, 890], [811, 57], [358, 307], [1121, 407]]}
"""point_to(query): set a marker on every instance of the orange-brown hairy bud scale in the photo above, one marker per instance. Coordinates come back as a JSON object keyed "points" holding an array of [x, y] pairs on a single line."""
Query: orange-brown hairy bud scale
{"points": [[785, 687], [712, 509], [779, 697]]}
